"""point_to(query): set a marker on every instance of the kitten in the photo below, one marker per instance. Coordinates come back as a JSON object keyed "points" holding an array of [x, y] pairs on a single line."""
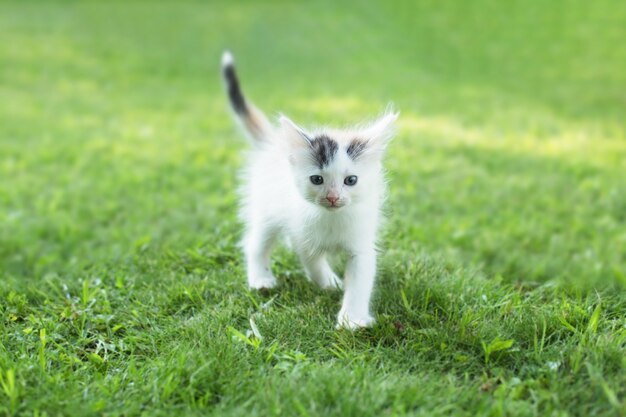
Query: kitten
{"points": [[320, 189]]}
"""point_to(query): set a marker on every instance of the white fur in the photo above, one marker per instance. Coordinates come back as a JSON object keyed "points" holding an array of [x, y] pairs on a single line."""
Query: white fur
{"points": [[279, 200], [227, 59]]}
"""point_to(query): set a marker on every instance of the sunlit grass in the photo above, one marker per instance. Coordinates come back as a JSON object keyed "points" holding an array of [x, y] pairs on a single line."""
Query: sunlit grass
{"points": [[573, 144]]}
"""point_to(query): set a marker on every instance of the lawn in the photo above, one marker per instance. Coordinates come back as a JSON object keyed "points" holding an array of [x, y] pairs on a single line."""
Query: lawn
{"points": [[502, 282]]}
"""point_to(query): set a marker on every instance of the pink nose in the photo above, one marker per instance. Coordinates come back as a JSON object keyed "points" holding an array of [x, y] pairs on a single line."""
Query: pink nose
{"points": [[332, 198]]}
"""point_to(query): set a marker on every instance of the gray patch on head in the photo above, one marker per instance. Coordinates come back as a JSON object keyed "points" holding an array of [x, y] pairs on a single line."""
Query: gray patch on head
{"points": [[356, 148], [324, 150]]}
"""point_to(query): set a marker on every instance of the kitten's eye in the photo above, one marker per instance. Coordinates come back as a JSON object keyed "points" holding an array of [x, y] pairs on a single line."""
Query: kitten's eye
{"points": [[316, 179], [351, 180]]}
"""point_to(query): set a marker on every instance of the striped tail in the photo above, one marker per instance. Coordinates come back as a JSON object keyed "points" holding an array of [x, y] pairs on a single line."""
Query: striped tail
{"points": [[253, 120]]}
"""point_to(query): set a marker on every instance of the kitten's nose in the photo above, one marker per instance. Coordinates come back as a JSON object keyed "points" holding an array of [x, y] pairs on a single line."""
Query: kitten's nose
{"points": [[333, 198]]}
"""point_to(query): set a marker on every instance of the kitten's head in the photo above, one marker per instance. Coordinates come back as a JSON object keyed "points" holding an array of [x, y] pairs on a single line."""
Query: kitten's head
{"points": [[337, 168]]}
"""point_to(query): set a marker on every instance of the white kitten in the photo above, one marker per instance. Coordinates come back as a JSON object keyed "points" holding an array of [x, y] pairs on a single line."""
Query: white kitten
{"points": [[320, 189]]}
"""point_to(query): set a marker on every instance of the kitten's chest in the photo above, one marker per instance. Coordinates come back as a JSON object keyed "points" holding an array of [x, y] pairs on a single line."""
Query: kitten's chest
{"points": [[329, 232]]}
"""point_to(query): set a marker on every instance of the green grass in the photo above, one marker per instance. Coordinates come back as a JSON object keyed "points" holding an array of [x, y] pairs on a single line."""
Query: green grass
{"points": [[502, 277]]}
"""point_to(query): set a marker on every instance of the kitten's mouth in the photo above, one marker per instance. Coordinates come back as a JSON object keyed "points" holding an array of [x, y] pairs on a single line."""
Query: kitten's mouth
{"points": [[332, 207]]}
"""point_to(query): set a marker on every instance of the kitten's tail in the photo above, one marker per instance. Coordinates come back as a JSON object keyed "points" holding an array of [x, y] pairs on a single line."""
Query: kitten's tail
{"points": [[253, 120]]}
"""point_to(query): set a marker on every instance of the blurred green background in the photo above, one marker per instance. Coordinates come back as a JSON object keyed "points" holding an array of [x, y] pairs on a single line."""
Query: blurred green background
{"points": [[503, 261]]}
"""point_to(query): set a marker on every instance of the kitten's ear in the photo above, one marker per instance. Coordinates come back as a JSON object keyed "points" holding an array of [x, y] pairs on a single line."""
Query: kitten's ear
{"points": [[380, 132], [294, 135]]}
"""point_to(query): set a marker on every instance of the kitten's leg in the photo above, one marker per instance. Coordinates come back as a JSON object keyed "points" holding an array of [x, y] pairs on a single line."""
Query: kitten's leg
{"points": [[258, 246], [319, 271], [359, 282]]}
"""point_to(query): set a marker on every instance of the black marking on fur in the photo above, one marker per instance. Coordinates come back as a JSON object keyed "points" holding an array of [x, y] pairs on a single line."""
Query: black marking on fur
{"points": [[324, 150], [356, 148], [234, 91]]}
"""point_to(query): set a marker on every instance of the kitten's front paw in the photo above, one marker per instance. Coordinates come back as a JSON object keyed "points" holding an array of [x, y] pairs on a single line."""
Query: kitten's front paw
{"points": [[262, 282], [353, 322]]}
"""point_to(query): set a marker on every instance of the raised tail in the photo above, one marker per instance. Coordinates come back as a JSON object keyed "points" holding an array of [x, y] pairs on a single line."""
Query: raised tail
{"points": [[253, 120]]}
